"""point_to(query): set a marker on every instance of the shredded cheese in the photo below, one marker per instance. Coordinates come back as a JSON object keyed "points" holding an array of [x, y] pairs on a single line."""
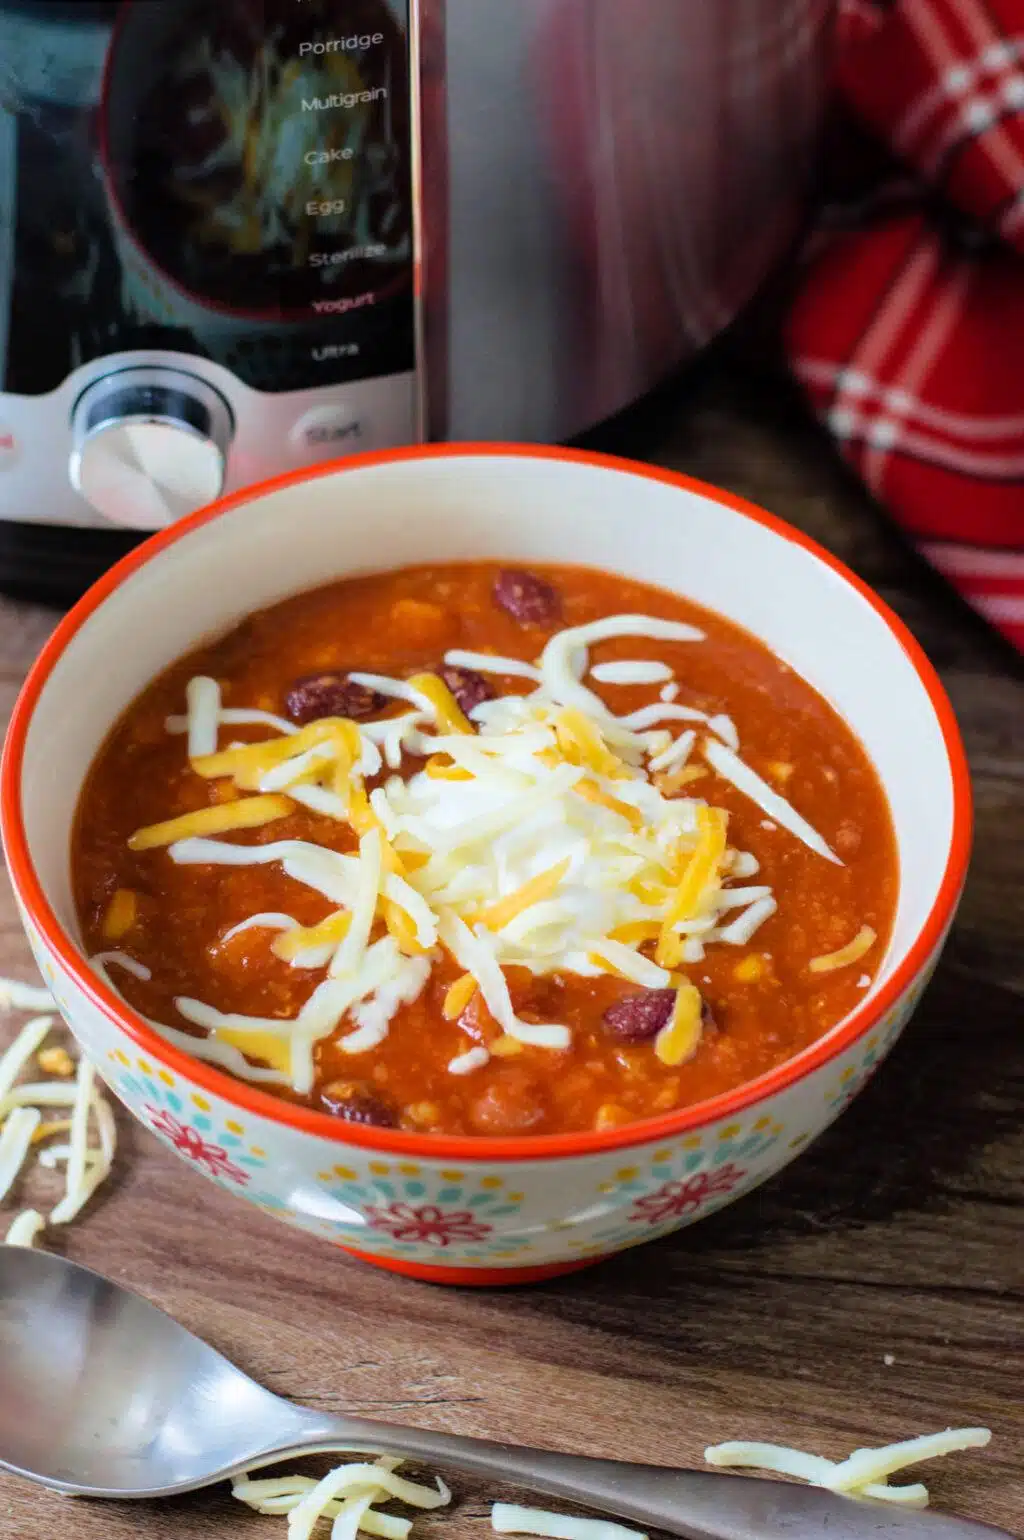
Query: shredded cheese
{"points": [[202, 700], [15, 1143], [22, 1127], [679, 1039], [27, 1043], [631, 671], [852, 952], [247, 813], [15, 996], [864, 1474], [348, 1494], [540, 831], [732, 768], [466, 1063], [492, 663], [267, 919], [509, 1519], [25, 1228]]}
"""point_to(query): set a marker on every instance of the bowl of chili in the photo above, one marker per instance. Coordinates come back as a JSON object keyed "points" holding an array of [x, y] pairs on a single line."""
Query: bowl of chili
{"points": [[485, 857]]}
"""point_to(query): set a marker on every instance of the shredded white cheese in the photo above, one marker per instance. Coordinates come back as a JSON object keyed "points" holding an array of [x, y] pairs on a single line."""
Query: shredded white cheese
{"points": [[15, 1143], [268, 919], [509, 1519], [631, 671], [346, 1495], [15, 996], [491, 663], [732, 768], [202, 699], [22, 1124], [466, 1063], [25, 1228], [28, 1042], [864, 1474]]}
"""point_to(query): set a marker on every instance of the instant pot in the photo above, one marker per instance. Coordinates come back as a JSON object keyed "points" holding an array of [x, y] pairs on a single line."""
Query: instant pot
{"points": [[245, 237]]}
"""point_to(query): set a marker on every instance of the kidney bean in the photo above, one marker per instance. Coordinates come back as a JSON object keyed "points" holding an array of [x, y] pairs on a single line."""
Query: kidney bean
{"points": [[357, 1104], [468, 687], [526, 597], [513, 1104], [330, 695], [635, 1018]]}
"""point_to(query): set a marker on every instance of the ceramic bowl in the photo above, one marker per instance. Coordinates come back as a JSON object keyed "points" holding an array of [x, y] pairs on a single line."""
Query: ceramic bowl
{"points": [[464, 1210]]}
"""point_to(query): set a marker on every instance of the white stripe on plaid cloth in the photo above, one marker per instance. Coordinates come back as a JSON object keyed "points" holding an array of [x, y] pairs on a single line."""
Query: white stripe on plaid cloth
{"points": [[973, 561], [1001, 609], [925, 352], [955, 83], [980, 115], [850, 380]]}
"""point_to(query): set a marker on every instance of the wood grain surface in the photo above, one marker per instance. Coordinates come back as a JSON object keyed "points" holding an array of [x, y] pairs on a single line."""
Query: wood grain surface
{"points": [[898, 1236]]}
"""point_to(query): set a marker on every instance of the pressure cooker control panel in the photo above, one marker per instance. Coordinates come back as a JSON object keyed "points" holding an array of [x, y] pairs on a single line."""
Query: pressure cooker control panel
{"points": [[209, 276]]}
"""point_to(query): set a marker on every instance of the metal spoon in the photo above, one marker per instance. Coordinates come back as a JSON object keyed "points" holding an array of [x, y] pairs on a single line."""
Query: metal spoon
{"points": [[103, 1395]]}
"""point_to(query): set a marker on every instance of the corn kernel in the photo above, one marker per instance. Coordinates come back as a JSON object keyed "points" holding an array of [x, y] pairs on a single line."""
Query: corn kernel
{"points": [[121, 914], [56, 1061], [458, 997], [423, 1114], [506, 1047], [610, 1116], [749, 968]]}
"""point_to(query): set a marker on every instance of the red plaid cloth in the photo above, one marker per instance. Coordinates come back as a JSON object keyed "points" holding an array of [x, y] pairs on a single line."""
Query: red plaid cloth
{"points": [[908, 332]]}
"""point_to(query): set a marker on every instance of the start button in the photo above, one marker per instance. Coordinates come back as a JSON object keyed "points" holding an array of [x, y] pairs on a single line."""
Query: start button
{"points": [[327, 429]]}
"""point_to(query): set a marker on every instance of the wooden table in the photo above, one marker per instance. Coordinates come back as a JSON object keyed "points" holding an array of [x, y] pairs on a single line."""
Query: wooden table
{"points": [[871, 1291]]}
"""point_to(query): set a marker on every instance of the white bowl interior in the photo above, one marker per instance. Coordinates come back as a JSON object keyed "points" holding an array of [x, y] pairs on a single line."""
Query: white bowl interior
{"points": [[514, 507]]}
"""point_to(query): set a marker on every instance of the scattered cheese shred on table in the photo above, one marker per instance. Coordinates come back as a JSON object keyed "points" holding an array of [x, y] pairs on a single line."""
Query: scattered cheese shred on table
{"points": [[347, 1495], [508, 1519], [866, 1471], [88, 1154]]}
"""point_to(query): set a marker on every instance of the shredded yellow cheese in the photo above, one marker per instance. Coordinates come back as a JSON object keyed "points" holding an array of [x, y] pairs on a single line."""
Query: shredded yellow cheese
{"points": [[581, 744], [329, 932], [247, 813], [593, 793], [441, 768], [699, 877], [679, 1039], [275, 1051], [852, 952], [450, 717], [532, 892]]}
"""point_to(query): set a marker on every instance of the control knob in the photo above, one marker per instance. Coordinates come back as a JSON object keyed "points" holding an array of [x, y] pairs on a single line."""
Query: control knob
{"points": [[149, 446]]}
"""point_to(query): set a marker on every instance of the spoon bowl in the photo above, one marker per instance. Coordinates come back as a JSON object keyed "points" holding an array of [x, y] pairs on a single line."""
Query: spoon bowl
{"points": [[106, 1396]]}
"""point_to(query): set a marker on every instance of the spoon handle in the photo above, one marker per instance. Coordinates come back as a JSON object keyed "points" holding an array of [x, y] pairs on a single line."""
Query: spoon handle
{"points": [[697, 1505]]}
